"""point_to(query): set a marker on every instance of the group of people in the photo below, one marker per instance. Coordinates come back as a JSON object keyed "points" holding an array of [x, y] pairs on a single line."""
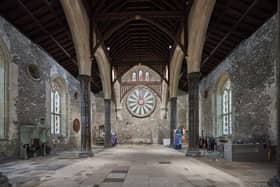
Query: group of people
{"points": [[208, 143]]}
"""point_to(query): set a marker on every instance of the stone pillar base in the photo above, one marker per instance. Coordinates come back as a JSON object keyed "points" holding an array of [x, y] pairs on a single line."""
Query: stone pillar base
{"points": [[274, 182], [4, 182], [86, 154], [171, 146], [194, 153]]}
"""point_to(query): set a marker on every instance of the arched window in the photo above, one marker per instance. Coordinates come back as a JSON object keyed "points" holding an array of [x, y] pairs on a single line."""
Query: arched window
{"points": [[134, 76], [55, 109], [113, 74], [2, 98], [224, 107], [58, 108], [140, 75], [166, 72], [147, 76], [4, 67], [226, 112]]}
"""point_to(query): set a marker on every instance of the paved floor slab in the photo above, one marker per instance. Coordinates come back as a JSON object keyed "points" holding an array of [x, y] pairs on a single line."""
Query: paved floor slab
{"points": [[124, 166]]}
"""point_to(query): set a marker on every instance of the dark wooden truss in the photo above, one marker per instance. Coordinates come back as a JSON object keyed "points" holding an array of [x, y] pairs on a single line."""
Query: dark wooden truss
{"points": [[233, 21], [131, 40]]}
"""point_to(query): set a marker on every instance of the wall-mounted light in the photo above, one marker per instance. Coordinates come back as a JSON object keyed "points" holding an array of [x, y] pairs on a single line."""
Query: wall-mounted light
{"points": [[170, 46], [108, 48]]}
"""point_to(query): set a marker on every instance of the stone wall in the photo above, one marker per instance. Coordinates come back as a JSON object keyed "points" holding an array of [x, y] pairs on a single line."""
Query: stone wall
{"points": [[29, 99], [153, 75], [251, 69], [130, 129]]}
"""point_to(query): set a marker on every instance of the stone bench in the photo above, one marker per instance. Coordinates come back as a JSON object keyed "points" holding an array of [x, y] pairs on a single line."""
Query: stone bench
{"points": [[246, 152]]}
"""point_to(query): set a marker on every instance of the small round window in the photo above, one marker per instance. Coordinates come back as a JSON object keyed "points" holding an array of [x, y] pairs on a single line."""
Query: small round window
{"points": [[33, 71]]}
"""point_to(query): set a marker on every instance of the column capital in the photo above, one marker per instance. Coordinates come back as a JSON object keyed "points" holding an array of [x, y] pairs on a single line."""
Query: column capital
{"points": [[107, 100], [172, 98], [84, 77], [194, 75]]}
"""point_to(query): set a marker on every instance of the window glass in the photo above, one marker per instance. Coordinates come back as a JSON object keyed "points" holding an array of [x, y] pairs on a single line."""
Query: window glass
{"points": [[147, 76], [2, 100], [113, 74], [55, 110], [134, 76], [226, 111], [140, 75]]}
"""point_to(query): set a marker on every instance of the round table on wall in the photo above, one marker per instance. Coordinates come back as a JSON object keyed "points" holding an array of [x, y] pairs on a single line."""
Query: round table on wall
{"points": [[141, 102]]}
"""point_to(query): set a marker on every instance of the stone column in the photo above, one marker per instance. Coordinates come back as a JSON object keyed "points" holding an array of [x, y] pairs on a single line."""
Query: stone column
{"points": [[107, 123], [193, 89], [85, 116], [173, 118], [118, 113]]}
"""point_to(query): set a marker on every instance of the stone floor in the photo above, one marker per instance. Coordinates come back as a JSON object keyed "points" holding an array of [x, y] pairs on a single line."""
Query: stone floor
{"points": [[251, 173], [123, 166]]}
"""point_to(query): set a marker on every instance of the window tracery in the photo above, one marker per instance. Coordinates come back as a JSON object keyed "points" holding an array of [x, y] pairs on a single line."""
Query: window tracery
{"points": [[55, 109]]}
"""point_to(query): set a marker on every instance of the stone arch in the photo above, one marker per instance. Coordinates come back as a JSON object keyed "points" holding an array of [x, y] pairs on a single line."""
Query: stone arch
{"points": [[57, 77], [104, 67], [4, 85], [120, 74], [218, 101], [174, 71], [198, 21], [127, 77], [78, 23], [221, 81], [63, 91]]}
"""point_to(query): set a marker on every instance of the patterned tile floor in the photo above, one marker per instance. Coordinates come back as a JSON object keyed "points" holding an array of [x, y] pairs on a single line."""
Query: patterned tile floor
{"points": [[123, 166]]}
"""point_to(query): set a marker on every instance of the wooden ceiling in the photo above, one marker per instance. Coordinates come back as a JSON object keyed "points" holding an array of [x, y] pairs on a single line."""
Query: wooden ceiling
{"points": [[131, 41], [147, 39], [231, 22]]}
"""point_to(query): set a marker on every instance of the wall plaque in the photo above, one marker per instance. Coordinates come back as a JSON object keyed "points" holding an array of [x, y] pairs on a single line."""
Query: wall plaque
{"points": [[76, 125]]}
